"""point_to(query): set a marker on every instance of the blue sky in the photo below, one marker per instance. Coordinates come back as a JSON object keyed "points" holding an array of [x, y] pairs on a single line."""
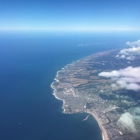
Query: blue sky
{"points": [[90, 15]]}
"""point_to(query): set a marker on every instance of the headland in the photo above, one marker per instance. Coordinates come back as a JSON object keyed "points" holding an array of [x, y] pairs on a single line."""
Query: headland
{"points": [[82, 89]]}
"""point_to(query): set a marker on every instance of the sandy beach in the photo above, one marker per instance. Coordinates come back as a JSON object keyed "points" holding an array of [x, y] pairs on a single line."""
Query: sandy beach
{"points": [[104, 132]]}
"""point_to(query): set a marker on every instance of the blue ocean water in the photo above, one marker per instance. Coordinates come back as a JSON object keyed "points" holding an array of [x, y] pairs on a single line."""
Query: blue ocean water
{"points": [[28, 65]]}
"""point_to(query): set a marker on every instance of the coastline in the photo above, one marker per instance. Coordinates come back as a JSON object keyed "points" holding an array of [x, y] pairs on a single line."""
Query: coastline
{"points": [[81, 89], [103, 130], [63, 101]]}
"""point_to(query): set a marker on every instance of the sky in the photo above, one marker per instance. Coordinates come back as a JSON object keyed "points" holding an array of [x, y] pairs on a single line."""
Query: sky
{"points": [[72, 15]]}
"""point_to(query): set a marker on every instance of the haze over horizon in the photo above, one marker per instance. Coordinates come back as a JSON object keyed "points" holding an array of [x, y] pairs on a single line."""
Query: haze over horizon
{"points": [[70, 15]]}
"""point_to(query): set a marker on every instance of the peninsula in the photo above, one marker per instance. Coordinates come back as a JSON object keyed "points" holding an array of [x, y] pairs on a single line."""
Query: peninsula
{"points": [[92, 85]]}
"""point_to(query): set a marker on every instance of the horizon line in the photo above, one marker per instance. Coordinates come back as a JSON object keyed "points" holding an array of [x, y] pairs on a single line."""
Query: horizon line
{"points": [[73, 29]]}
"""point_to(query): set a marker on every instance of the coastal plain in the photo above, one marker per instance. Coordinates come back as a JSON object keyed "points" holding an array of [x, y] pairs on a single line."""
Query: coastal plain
{"points": [[82, 89]]}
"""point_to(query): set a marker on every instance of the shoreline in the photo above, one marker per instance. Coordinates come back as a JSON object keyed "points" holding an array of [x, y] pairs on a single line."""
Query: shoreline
{"points": [[63, 101], [103, 130], [81, 89]]}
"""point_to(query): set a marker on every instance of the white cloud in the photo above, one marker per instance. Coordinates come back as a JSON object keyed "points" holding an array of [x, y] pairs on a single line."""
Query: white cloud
{"points": [[113, 73], [122, 56], [134, 44], [129, 119], [128, 78], [131, 53], [80, 45], [126, 120], [89, 44], [128, 86]]}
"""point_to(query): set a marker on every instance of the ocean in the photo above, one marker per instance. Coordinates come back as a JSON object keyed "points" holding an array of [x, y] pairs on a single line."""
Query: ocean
{"points": [[29, 62]]}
